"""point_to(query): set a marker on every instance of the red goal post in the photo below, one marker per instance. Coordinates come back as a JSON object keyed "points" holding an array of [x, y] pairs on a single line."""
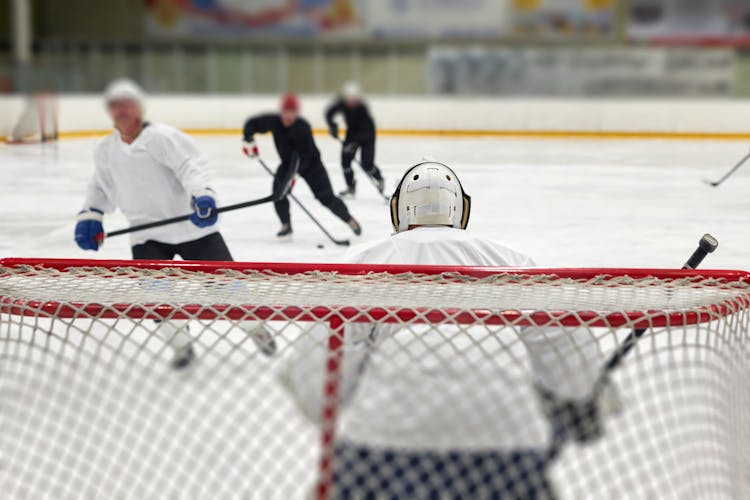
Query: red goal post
{"points": [[97, 322]]}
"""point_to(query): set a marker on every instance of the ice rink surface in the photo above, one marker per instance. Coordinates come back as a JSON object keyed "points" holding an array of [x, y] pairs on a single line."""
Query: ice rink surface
{"points": [[579, 203], [571, 203], [585, 203]]}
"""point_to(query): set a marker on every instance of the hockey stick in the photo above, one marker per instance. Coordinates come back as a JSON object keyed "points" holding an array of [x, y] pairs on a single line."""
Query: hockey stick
{"points": [[299, 204], [181, 218], [706, 246], [373, 180], [273, 197], [728, 174]]}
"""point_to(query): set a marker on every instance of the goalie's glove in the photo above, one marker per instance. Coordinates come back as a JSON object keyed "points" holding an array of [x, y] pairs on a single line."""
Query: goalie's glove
{"points": [[582, 421], [89, 233], [250, 148], [204, 209]]}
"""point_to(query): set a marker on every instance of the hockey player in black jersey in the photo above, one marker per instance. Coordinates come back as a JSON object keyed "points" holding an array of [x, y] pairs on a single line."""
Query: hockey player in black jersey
{"points": [[360, 134], [296, 147]]}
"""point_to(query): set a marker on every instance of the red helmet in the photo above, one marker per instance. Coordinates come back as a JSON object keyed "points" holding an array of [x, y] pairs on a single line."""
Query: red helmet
{"points": [[289, 102]]}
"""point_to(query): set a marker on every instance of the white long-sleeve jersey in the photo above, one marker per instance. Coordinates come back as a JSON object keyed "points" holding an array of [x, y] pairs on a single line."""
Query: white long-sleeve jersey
{"points": [[445, 388], [153, 178]]}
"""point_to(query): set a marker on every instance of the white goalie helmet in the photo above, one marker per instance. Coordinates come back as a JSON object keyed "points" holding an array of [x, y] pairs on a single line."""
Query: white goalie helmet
{"points": [[430, 194], [124, 89]]}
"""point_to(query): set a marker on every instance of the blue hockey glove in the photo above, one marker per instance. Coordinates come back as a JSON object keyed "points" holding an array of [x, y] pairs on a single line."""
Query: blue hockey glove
{"points": [[204, 207], [89, 233]]}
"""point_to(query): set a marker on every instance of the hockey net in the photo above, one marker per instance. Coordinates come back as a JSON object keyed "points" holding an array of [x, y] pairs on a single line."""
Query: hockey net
{"points": [[38, 121], [386, 382]]}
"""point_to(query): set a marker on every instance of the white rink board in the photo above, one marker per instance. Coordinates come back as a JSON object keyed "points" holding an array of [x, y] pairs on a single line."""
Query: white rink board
{"points": [[703, 116]]}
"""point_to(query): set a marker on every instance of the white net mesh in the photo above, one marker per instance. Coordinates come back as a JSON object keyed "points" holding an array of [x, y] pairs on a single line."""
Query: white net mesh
{"points": [[38, 121], [362, 382]]}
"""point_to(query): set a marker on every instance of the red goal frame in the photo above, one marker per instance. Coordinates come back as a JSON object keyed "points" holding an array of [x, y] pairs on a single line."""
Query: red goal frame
{"points": [[338, 316], [270, 313]]}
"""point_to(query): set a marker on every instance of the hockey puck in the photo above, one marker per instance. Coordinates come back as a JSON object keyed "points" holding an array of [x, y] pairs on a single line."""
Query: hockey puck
{"points": [[320, 245]]}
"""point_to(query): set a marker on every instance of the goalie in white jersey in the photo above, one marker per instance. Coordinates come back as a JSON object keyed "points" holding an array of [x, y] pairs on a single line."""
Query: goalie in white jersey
{"points": [[435, 412], [151, 172]]}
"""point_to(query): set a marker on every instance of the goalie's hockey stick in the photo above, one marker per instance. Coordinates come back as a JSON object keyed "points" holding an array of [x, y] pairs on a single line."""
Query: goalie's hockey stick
{"points": [[706, 246], [373, 180], [304, 209], [245, 204], [728, 174]]}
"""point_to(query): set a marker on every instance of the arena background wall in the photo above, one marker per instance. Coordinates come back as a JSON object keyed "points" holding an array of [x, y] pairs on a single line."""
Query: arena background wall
{"points": [[84, 115]]}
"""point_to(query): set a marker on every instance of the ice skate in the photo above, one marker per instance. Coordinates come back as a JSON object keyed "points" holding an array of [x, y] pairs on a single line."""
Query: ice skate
{"points": [[349, 192], [355, 226], [285, 231], [261, 337]]}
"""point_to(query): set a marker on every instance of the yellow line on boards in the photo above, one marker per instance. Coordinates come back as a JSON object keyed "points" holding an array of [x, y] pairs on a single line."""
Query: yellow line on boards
{"points": [[573, 134], [542, 134], [529, 134]]}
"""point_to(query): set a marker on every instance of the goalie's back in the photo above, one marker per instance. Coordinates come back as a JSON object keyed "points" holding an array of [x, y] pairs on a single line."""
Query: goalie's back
{"points": [[438, 245]]}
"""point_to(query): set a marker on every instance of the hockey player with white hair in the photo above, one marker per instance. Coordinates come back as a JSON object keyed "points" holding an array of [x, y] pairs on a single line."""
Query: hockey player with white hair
{"points": [[360, 135], [418, 421], [152, 171]]}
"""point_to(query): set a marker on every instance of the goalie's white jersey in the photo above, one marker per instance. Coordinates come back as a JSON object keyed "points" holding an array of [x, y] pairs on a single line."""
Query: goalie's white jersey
{"points": [[445, 388], [440, 246], [153, 178]]}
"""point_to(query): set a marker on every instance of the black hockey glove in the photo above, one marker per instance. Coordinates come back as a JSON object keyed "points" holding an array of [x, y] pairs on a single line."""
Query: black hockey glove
{"points": [[334, 131], [579, 420]]}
